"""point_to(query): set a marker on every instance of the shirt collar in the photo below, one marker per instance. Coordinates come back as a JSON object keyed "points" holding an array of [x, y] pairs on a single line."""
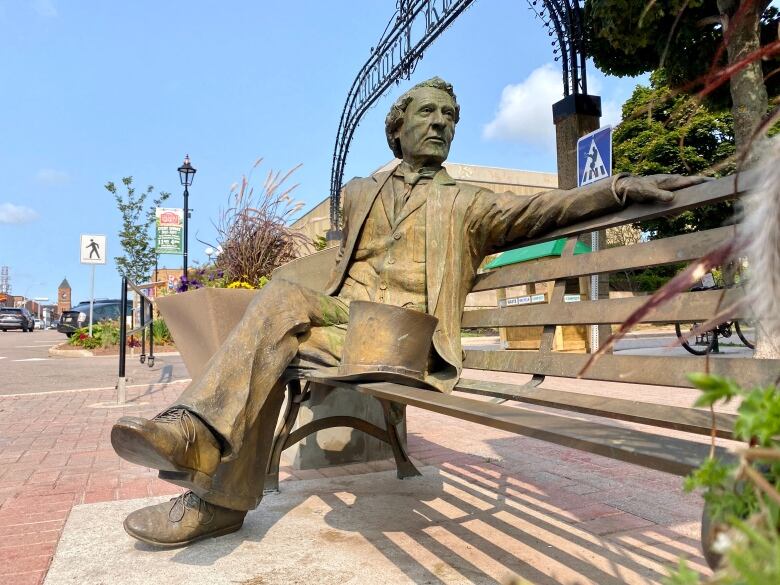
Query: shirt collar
{"points": [[441, 177]]}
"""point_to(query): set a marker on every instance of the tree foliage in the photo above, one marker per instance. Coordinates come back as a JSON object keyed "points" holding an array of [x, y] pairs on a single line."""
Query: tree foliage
{"points": [[135, 236], [631, 37], [664, 131], [699, 45]]}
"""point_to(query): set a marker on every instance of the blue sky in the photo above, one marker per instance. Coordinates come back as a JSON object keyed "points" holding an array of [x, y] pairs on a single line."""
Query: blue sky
{"points": [[91, 91]]}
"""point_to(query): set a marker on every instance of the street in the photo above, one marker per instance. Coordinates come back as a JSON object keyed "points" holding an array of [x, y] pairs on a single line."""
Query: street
{"points": [[27, 368]]}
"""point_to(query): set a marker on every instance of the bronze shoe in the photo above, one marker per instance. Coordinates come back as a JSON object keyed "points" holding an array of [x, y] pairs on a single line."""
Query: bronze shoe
{"points": [[182, 521], [175, 441]]}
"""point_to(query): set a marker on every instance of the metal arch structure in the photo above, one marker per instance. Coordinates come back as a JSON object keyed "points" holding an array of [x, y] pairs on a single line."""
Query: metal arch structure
{"points": [[563, 18], [414, 25]]}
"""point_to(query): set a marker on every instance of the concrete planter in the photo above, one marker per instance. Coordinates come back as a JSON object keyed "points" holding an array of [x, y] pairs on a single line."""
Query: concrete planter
{"points": [[200, 320]]}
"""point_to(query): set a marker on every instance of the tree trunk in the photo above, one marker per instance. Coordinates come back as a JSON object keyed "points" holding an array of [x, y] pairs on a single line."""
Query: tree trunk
{"points": [[741, 28]]}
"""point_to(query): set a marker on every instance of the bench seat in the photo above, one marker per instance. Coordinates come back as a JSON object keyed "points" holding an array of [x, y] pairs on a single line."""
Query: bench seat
{"points": [[689, 420], [669, 454]]}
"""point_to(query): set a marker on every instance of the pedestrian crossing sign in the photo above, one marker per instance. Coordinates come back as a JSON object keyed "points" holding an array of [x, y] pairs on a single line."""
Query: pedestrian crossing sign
{"points": [[594, 156], [93, 249]]}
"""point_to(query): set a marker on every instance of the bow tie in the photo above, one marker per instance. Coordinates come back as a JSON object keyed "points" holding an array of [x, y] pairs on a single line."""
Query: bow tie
{"points": [[412, 177]]}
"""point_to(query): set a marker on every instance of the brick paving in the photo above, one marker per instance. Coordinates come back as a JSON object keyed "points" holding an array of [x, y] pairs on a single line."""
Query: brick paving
{"points": [[55, 453]]}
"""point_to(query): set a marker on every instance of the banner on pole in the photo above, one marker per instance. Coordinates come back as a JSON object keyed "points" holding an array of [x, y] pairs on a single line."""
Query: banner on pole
{"points": [[169, 222]]}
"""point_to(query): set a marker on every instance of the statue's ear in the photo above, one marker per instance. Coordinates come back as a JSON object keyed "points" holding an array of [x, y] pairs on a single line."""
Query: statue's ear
{"points": [[397, 134]]}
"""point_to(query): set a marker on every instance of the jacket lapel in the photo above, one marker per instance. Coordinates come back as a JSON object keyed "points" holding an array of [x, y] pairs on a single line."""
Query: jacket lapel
{"points": [[438, 233], [356, 220], [419, 196]]}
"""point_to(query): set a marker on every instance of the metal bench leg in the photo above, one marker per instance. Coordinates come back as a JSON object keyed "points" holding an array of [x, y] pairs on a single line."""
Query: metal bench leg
{"points": [[394, 416], [294, 398]]}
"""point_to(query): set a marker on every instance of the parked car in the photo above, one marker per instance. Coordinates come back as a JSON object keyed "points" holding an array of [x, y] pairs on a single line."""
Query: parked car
{"points": [[78, 316], [11, 318], [39, 324]]}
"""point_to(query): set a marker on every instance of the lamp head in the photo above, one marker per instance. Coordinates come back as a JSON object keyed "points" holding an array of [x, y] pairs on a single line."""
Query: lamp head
{"points": [[187, 172]]}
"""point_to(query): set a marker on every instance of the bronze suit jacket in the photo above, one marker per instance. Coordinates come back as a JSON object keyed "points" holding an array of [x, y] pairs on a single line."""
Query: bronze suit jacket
{"points": [[464, 223]]}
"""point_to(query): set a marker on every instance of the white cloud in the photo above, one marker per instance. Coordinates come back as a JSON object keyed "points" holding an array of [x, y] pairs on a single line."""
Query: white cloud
{"points": [[14, 214], [525, 111], [52, 177], [45, 8]]}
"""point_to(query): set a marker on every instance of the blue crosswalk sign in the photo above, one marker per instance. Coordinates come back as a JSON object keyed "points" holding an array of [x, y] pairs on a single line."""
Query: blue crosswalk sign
{"points": [[594, 156]]}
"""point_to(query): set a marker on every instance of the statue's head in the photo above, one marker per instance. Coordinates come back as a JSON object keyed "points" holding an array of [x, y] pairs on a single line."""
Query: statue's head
{"points": [[421, 123]]}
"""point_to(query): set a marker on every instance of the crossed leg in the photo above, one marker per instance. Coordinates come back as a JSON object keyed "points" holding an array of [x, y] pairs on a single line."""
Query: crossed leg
{"points": [[216, 439]]}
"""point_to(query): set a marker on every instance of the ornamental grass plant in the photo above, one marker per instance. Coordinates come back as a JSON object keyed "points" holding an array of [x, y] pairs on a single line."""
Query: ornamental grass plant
{"points": [[253, 232]]}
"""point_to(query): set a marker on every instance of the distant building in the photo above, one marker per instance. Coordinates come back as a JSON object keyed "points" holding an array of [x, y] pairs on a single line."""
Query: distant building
{"points": [[316, 222], [63, 297]]}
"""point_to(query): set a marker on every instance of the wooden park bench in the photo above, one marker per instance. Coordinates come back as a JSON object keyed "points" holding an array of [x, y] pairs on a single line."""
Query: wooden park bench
{"points": [[665, 453]]}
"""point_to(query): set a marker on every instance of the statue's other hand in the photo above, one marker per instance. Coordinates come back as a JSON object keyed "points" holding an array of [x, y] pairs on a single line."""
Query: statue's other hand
{"points": [[654, 188]]}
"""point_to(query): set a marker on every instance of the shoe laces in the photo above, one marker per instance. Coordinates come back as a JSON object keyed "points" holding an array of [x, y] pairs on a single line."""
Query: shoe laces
{"points": [[190, 500], [184, 418]]}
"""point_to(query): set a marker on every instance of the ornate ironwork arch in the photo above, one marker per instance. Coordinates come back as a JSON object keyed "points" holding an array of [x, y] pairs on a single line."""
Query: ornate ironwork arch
{"points": [[414, 25]]}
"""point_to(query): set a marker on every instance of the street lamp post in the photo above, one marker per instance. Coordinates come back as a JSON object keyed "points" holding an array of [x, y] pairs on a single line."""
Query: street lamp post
{"points": [[186, 174]]}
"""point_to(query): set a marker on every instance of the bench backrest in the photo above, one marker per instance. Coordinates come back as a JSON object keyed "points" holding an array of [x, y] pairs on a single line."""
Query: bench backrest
{"points": [[686, 307]]}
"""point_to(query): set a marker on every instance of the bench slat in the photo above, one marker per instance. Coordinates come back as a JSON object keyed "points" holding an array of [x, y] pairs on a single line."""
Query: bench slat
{"points": [[667, 454], [682, 248], [660, 415], [692, 306], [635, 369]]}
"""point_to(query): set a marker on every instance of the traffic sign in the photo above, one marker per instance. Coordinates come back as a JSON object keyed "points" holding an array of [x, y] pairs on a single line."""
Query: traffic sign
{"points": [[93, 249], [594, 156], [594, 163]]}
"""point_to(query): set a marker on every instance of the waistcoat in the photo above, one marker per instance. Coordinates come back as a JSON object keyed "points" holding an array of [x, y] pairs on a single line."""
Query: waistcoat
{"points": [[388, 265]]}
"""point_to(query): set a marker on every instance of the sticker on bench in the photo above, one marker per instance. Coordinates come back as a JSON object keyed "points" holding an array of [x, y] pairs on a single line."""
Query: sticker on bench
{"points": [[525, 300]]}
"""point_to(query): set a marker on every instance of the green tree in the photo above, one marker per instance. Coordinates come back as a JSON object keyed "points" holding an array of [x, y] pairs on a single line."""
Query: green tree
{"points": [[135, 236], [664, 131], [685, 38]]}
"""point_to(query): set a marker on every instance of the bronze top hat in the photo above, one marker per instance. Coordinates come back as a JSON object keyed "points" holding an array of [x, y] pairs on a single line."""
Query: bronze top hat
{"points": [[385, 343]]}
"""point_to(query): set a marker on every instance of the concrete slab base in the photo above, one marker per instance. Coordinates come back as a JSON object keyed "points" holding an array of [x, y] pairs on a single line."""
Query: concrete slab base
{"points": [[444, 527]]}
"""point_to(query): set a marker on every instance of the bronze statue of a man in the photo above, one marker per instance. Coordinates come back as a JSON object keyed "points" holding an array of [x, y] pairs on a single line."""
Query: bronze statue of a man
{"points": [[414, 238]]}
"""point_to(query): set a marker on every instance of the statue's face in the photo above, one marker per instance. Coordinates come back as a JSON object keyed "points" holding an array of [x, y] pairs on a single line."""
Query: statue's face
{"points": [[428, 127]]}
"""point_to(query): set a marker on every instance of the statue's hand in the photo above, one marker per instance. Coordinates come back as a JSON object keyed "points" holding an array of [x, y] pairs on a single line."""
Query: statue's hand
{"points": [[654, 188]]}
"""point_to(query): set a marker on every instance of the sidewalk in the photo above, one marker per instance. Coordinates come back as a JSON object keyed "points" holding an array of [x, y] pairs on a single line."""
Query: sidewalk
{"points": [[618, 519]]}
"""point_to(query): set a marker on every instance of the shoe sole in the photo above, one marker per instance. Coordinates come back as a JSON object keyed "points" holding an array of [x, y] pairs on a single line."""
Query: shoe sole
{"points": [[131, 444], [215, 534], [186, 478]]}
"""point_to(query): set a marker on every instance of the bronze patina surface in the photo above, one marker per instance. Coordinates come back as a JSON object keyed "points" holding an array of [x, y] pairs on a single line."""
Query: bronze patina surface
{"points": [[384, 342], [413, 238]]}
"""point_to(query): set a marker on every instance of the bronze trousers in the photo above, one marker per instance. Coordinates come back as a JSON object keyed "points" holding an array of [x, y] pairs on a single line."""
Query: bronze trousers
{"points": [[240, 394]]}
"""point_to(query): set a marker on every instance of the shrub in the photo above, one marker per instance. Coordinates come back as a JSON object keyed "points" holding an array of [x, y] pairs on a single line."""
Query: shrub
{"points": [[160, 332], [104, 334], [742, 498]]}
